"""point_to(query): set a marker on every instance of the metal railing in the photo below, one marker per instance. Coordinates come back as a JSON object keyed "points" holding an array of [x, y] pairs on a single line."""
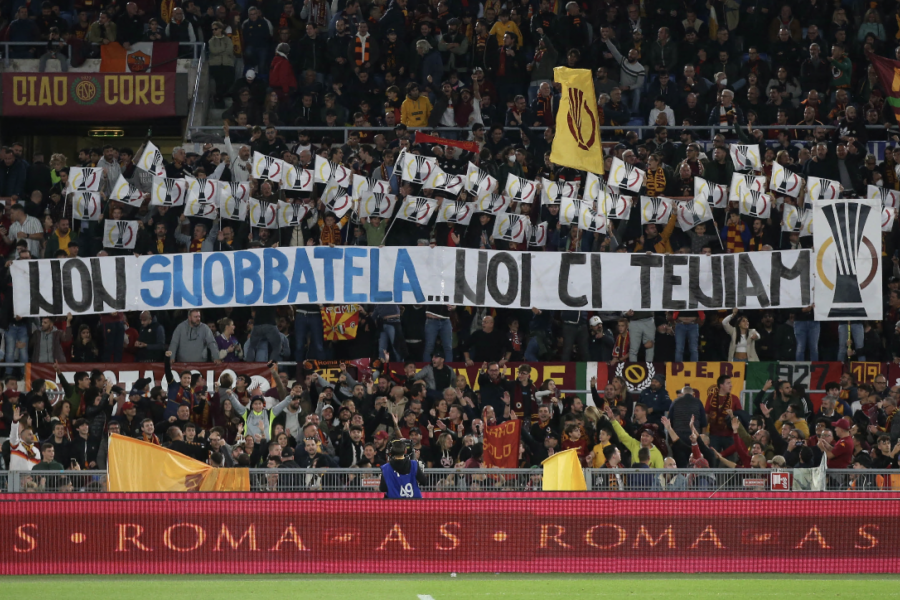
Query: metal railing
{"points": [[197, 49], [632, 480]]}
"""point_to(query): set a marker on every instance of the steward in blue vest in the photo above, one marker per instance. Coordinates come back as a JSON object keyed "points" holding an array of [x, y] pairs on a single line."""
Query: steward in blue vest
{"points": [[401, 477]]}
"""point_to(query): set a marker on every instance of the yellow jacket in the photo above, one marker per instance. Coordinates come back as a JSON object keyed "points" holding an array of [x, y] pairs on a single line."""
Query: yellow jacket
{"points": [[415, 113], [499, 30]]}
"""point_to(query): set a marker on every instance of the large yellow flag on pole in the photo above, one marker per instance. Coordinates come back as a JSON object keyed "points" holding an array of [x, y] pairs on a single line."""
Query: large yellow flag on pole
{"points": [[562, 473], [136, 466], [577, 142]]}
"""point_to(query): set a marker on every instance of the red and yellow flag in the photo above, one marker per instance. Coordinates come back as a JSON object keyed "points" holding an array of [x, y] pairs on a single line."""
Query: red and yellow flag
{"points": [[501, 445], [340, 322], [889, 73], [577, 142]]}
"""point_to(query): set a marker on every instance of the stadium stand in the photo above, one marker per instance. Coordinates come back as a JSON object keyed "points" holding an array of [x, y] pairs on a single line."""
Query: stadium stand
{"points": [[352, 84]]}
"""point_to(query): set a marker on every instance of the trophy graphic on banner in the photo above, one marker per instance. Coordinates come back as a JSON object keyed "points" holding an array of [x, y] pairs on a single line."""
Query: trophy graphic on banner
{"points": [[847, 220], [121, 227]]}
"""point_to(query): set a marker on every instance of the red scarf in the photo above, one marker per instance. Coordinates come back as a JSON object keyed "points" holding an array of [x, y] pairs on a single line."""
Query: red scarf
{"points": [[545, 110], [623, 343], [152, 440], [197, 245]]}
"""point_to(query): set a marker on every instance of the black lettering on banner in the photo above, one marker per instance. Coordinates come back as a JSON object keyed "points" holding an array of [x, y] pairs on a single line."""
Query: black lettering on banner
{"points": [[101, 296], [512, 269], [779, 272], [38, 301], [646, 262], [747, 271], [695, 294], [596, 281], [525, 300], [462, 290], [77, 306], [670, 280], [728, 270], [565, 264]]}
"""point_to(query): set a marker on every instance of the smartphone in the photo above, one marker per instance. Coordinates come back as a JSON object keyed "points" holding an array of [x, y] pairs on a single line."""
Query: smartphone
{"points": [[73, 462]]}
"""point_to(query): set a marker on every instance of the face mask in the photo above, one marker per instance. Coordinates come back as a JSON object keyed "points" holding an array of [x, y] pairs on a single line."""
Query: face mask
{"points": [[512, 158], [724, 82]]}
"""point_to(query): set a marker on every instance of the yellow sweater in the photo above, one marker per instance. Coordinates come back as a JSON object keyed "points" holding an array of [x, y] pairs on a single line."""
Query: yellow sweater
{"points": [[499, 30], [414, 113]]}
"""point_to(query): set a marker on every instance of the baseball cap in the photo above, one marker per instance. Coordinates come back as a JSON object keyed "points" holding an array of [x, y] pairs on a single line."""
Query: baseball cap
{"points": [[595, 321], [287, 451], [135, 392], [843, 423], [381, 435], [128, 406]]}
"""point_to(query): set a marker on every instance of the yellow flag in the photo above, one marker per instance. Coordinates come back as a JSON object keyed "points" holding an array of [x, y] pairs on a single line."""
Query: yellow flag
{"points": [[577, 142], [562, 473], [136, 466]]}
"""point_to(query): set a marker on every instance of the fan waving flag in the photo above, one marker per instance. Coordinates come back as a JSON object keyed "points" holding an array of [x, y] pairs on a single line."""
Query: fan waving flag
{"points": [[415, 168], [417, 209], [593, 187], [325, 170], [86, 206], [168, 192], [84, 179], [745, 157], [570, 210], [743, 183], [591, 220], [613, 205], [520, 189], [537, 234], [785, 182], [267, 167], [492, 203], [715, 194], [290, 214], [691, 213], [554, 191], [889, 198], [368, 184], [297, 179], [376, 204], [655, 210], [627, 178], [479, 182], [204, 191], [151, 160], [756, 204], [888, 215], [889, 73], [818, 188], [577, 141], [457, 211], [126, 192], [444, 182], [796, 220], [263, 215], [120, 235], [338, 203], [511, 227]]}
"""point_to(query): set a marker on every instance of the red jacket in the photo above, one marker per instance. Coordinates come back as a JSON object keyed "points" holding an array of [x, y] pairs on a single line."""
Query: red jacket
{"points": [[281, 76]]}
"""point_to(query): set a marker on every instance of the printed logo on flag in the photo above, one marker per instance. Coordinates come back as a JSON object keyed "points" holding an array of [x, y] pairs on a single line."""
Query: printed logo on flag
{"points": [[120, 235]]}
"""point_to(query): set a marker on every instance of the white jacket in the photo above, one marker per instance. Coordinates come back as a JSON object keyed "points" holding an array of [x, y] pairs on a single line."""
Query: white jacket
{"points": [[752, 336]]}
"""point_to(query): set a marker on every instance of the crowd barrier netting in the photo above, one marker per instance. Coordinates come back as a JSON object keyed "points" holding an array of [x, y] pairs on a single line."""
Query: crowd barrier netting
{"points": [[145, 534]]}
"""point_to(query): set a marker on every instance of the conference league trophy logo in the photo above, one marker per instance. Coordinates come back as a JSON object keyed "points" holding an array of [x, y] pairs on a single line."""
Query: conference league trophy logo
{"points": [[847, 240]]}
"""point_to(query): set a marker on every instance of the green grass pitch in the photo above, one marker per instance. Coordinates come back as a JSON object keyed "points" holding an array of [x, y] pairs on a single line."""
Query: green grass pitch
{"points": [[444, 587]]}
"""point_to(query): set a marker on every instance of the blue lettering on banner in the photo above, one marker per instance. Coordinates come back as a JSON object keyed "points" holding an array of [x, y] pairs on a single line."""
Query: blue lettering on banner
{"points": [[405, 278], [328, 256], [376, 294], [351, 271], [180, 292], [274, 264], [246, 269], [227, 277], [148, 276], [303, 280]]}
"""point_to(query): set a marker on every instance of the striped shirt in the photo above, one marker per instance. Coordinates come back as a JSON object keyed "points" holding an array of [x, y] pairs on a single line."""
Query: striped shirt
{"points": [[30, 225]]}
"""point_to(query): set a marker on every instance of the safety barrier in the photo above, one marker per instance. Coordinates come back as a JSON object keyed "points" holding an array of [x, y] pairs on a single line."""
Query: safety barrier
{"points": [[281, 533], [493, 481]]}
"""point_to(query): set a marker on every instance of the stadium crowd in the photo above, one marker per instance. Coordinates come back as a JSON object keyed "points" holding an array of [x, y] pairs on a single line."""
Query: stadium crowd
{"points": [[484, 68]]}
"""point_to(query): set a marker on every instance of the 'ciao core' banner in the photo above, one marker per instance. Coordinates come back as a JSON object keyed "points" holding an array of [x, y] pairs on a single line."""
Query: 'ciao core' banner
{"points": [[361, 275]]}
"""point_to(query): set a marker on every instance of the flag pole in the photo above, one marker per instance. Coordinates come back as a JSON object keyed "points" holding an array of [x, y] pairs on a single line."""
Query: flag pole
{"points": [[718, 233]]}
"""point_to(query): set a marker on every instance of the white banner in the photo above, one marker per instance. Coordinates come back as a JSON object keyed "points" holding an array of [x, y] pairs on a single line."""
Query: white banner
{"points": [[417, 275], [847, 242]]}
